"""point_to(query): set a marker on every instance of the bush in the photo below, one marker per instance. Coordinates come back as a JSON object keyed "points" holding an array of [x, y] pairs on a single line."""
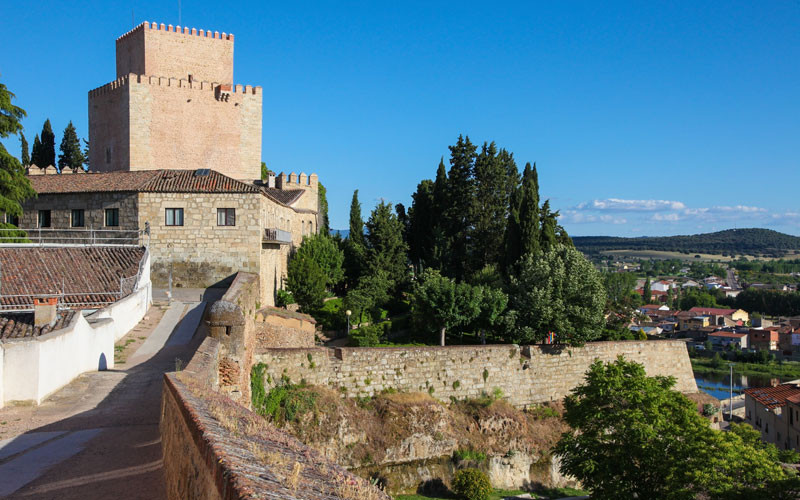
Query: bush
{"points": [[366, 336], [283, 298], [472, 484]]}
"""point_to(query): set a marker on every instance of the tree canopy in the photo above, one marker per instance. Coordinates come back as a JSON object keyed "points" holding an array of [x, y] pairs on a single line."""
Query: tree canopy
{"points": [[71, 155], [633, 437], [14, 186], [559, 292]]}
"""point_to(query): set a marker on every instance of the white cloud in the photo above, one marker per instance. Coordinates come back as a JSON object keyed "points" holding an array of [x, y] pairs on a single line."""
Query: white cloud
{"points": [[621, 205], [666, 217], [575, 217]]}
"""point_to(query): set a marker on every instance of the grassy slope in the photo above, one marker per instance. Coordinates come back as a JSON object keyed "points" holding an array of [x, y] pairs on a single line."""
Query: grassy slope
{"points": [[788, 370]]}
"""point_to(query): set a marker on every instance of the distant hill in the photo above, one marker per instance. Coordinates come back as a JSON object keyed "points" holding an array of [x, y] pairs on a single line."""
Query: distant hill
{"points": [[762, 242]]}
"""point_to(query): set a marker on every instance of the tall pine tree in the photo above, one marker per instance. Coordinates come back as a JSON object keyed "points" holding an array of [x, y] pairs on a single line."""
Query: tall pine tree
{"points": [[25, 156], [529, 212], [71, 155], [356, 234], [48, 145], [386, 250], [354, 250], [458, 217]]}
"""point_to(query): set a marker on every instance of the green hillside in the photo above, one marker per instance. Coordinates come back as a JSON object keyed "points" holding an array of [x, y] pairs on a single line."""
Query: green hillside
{"points": [[760, 242]]}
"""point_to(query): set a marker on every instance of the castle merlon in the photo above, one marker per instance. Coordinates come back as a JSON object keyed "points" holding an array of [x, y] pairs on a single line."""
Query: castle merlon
{"points": [[177, 30], [164, 81]]}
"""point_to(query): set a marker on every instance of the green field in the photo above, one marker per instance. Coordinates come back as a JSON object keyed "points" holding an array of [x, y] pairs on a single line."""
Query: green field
{"points": [[661, 255]]}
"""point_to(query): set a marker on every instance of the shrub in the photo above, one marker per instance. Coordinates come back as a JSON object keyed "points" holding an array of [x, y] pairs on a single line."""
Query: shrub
{"points": [[366, 336], [469, 454], [283, 298], [472, 484]]}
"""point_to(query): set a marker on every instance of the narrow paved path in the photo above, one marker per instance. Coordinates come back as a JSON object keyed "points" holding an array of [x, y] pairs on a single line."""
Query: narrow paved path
{"points": [[98, 437]]}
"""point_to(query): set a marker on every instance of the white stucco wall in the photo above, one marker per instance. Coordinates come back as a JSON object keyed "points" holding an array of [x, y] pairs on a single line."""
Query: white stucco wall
{"points": [[33, 368]]}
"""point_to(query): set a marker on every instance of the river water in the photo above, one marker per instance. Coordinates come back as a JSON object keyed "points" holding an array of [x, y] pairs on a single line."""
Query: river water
{"points": [[719, 385]]}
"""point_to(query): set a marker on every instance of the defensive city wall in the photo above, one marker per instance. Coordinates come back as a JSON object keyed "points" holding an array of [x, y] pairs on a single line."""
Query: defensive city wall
{"points": [[216, 448], [526, 375]]}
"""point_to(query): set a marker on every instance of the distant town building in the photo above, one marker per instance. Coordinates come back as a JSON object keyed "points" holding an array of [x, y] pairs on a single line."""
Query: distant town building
{"points": [[766, 410]]}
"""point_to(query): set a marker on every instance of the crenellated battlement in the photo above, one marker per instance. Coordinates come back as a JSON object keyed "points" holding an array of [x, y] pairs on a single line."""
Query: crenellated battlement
{"points": [[182, 83], [294, 181], [177, 30]]}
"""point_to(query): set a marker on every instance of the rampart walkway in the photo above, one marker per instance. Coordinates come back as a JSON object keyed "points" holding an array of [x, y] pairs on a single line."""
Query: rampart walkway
{"points": [[98, 437]]}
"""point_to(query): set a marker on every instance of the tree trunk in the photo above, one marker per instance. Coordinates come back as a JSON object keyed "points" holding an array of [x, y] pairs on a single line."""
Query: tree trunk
{"points": [[441, 335]]}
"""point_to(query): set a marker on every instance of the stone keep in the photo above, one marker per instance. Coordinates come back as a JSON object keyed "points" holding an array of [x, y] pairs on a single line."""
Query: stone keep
{"points": [[174, 105]]}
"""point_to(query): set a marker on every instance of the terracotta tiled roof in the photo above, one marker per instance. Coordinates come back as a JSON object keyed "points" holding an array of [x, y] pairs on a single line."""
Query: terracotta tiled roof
{"points": [[88, 274], [794, 399], [712, 310], [18, 325], [728, 334], [150, 181], [283, 196], [773, 397], [763, 335]]}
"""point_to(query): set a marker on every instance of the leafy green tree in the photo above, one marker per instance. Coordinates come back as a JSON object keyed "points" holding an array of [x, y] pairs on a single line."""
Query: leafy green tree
{"points": [[619, 287], [492, 304], [36, 152], [559, 292], [25, 156], [323, 250], [325, 227], [264, 170], [457, 218], [402, 217], [307, 282], [71, 155], [440, 302], [647, 294], [14, 186], [372, 292], [633, 437], [48, 148], [386, 250]]}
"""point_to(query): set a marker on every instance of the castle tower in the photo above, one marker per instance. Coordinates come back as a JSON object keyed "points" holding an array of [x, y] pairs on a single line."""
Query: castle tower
{"points": [[174, 105]]}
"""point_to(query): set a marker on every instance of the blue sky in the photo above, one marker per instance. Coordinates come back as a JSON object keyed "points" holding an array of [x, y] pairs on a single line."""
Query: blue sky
{"points": [[644, 118]]}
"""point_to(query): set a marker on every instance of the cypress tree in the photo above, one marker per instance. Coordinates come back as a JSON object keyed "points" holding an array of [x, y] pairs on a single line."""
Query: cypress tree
{"points": [[549, 220], [71, 155], [356, 222], [48, 147], [26, 158], [386, 250], [511, 238], [458, 217], [36, 152], [325, 227], [86, 154], [529, 212]]}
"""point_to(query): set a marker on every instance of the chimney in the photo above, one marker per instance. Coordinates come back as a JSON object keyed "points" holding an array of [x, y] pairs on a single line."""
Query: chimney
{"points": [[271, 180], [44, 311]]}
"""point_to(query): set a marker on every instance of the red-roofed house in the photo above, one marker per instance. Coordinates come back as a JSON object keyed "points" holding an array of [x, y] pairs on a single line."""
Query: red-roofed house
{"points": [[723, 317], [766, 339], [766, 410], [793, 411], [721, 340]]}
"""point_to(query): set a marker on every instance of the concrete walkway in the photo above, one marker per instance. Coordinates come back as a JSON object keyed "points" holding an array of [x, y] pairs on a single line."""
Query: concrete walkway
{"points": [[98, 437]]}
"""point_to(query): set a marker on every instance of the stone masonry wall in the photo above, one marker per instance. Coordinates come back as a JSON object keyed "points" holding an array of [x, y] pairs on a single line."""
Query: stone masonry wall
{"points": [[526, 375], [202, 253], [278, 328], [93, 204], [150, 49], [170, 122]]}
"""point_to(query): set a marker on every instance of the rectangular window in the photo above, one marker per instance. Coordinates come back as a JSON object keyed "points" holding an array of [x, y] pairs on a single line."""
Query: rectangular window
{"points": [[174, 217], [44, 218], [112, 217], [77, 218], [226, 216]]}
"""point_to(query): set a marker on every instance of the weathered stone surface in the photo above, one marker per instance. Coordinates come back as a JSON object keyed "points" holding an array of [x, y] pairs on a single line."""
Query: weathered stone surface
{"points": [[525, 375]]}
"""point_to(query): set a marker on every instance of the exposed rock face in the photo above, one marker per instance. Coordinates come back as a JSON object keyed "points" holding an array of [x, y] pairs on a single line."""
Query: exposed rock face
{"points": [[412, 441]]}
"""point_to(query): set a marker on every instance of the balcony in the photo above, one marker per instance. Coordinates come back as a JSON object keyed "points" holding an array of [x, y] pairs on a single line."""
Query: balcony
{"points": [[276, 236]]}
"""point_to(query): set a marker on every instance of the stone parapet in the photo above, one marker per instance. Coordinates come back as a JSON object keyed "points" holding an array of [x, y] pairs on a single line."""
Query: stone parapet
{"points": [[526, 375]]}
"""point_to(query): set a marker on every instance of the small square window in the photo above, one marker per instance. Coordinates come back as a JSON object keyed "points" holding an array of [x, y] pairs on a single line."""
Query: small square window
{"points": [[173, 217], [112, 217], [44, 218], [77, 219], [226, 216]]}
